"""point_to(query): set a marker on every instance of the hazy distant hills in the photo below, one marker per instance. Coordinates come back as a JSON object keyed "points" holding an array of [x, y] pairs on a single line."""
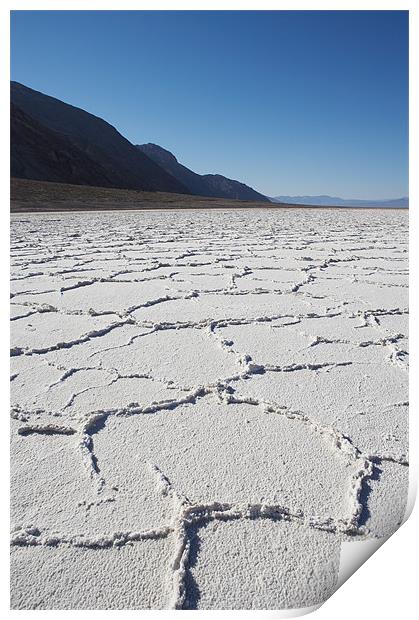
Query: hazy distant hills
{"points": [[212, 185], [54, 141], [334, 201]]}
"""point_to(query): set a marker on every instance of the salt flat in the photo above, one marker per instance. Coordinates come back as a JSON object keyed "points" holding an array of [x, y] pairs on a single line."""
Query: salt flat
{"points": [[204, 404]]}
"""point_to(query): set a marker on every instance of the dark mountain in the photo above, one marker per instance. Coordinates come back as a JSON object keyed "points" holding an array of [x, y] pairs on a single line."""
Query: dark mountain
{"points": [[106, 152], [40, 154], [222, 187], [335, 201], [212, 185], [168, 161]]}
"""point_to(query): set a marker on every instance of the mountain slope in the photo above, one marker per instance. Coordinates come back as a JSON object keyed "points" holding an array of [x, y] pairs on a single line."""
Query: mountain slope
{"points": [[212, 185], [121, 163], [40, 154], [335, 201], [222, 187], [168, 161]]}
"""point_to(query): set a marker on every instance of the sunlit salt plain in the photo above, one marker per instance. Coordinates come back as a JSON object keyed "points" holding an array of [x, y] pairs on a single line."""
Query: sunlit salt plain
{"points": [[204, 405]]}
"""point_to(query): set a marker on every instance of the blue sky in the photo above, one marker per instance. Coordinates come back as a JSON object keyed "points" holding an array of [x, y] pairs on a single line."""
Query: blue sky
{"points": [[290, 102]]}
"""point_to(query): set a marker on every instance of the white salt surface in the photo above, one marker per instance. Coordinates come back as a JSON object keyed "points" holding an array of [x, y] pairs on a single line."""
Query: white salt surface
{"points": [[204, 405]]}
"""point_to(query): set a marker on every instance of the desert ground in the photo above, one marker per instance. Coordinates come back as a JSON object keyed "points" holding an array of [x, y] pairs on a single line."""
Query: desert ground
{"points": [[204, 404]]}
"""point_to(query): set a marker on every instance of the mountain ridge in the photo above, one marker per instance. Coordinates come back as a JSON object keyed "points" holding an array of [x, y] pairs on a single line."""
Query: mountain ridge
{"points": [[211, 185], [96, 138], [55, 141]]}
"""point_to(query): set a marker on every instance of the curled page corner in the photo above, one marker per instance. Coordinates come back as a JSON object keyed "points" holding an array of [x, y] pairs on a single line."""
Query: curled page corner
{"points": [[296, 613], [268, 614], [411, 495], [354, 554]]}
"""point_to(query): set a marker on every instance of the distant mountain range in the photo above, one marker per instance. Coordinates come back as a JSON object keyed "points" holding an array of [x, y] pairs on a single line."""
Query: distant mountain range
{"points": [[54, 141], [57, 142], [334, 201]]}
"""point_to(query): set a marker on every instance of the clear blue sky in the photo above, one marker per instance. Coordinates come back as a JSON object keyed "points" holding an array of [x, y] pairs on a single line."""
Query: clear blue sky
{"points": [[290, 102]]}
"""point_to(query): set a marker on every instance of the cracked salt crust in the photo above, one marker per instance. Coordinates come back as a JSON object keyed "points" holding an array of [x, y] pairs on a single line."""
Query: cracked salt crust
{"points": [[265, 565], [65, 498], [185, 357], [29, 336], [358, 294], [364, 401], [310, 341], [208, 307], [387, 495], [126, 578], [125, 391], [83, 353], [270, 456], [196, 390]]}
